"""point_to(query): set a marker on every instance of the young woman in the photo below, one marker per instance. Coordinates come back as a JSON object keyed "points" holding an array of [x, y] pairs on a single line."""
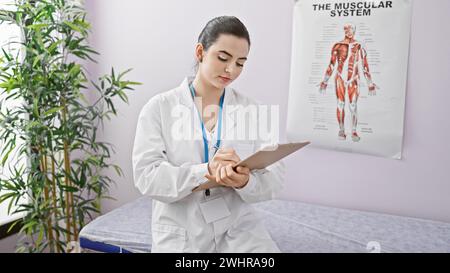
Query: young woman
{"points": [[168, 167]]}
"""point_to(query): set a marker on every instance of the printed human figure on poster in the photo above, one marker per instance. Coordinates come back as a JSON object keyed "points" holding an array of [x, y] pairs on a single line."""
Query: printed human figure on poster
{"points": [[347, 58]]}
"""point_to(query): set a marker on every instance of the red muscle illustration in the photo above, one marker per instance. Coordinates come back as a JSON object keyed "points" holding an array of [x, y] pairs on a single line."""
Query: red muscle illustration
{"points": [[347, 57]]}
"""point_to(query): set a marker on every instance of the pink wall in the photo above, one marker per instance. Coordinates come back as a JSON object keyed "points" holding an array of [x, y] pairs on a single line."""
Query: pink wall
{"points": [[157, 39]]}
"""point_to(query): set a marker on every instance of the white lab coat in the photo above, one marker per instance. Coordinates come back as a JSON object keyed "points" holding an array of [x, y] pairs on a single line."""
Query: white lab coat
{"points": [[167, 169]]}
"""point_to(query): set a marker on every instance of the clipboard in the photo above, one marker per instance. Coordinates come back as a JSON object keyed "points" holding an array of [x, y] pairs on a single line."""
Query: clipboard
{"points": [[261, 159]]}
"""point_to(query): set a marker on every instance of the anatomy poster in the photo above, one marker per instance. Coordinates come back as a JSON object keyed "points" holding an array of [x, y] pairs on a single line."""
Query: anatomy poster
{"points": [[348, 75]]}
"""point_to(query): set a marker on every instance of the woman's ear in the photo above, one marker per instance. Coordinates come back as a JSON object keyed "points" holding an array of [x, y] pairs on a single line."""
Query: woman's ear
{"points": [[199, 52]]}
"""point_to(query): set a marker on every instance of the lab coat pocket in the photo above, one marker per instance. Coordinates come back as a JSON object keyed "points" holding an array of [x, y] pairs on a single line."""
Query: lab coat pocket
{"points": [[168, 238]]}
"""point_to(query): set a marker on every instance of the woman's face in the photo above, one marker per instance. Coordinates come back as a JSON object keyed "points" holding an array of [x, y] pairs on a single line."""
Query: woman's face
{"points": [[224, 61]]}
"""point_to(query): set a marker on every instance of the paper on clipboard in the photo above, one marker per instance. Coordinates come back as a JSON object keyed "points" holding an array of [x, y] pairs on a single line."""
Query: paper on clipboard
{"points": [[261, 159]]}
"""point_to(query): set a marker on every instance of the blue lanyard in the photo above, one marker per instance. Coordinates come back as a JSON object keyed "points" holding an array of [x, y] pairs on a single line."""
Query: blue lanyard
{"points": [[219, 129]]}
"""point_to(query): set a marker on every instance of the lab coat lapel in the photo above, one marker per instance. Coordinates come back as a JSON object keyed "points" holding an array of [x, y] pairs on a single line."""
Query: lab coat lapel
{"points": [[185, 99], [229, 115]]}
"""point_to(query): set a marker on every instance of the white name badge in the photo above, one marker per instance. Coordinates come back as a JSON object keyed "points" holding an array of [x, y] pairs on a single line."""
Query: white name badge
{"points": [[214, 209]]}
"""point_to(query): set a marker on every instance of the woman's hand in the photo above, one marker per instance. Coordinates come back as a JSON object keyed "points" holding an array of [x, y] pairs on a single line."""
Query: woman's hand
{"points": [[221, 170], [226, 176], [223, 157]]}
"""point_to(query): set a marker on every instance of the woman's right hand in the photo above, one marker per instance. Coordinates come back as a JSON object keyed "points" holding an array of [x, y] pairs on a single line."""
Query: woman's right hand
{"points": [[223, 157]]}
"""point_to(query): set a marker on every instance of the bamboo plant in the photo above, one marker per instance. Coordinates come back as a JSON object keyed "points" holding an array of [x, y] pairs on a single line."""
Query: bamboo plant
{"points": [[56, 125]]}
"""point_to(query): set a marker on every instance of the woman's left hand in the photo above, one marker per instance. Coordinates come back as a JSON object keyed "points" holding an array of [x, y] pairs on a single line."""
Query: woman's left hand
{"points": [[226, 176]]}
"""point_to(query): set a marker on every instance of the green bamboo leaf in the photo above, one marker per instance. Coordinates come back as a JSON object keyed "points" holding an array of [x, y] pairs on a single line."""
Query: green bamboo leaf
{"points": [[36, 27], [75, 70], [13, 225], [94, 209], [7, 56], [118, 170], [133, 83], [90, 50], [18, 18], [73, 26], [123, 96], [28, 226], [52, 110], [83, 24], [37, 59], [40, 236], [69, 188], [11, 148], [32, 124], [6, 196], [21, 249], [123, 73], [39, 39], [13, 200], [6, 16], [54, 45]]}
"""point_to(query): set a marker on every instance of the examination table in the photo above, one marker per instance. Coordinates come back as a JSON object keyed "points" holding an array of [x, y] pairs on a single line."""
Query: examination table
{"points": [[295, 227]]}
